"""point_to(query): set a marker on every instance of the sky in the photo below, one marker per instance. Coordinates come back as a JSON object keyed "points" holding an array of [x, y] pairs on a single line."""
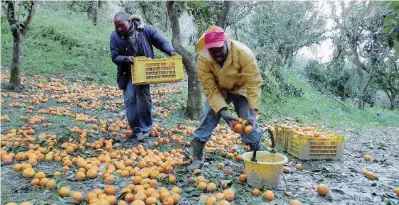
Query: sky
{"points": [[323, 51]]}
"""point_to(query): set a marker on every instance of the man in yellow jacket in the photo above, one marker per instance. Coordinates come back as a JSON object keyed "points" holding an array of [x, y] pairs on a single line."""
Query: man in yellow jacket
{"points": [[228, 73]]}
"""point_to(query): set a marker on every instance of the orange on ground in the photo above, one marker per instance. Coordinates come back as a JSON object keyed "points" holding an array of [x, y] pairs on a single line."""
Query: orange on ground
{"points": [[295, 202], [286, 170], [28, 172], [243, 178], [268, 195], [17, 167], [80, 176], [367, 157], [256, 192], [168, 200], [298, 166], [129, 197], [322, 189], [51, 184], [219, 196], [211, 187], [64, 191], [151, 201], [369, 174], [138, 202], [202, 185], [210, 200], [110, 190], [44, 181], [196, 171], [176, 190], [229, 194], [35, 181], [90, 196], [224, 202], [77, 196], [172, 179]]}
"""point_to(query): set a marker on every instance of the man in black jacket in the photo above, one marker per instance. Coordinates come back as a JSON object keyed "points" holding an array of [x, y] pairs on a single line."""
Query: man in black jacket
{"points": [[132, 38]]}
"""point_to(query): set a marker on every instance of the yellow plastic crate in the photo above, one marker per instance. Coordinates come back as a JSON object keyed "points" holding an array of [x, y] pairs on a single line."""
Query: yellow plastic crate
{"points": [[153, 71], [307, 147], [282, 133]]}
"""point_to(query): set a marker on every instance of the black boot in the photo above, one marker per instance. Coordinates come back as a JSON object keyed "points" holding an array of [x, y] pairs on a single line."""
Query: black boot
{"points": [[198, 153], [141, 137]]}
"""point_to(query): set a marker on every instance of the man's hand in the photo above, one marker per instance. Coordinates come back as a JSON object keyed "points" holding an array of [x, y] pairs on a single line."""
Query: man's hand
{"points": [[228, 118], [129, 59], [174, 54], [252, 117]]}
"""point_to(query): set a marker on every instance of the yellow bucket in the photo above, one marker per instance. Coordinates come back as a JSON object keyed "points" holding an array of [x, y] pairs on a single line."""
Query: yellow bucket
{"points": [[266, 171]]}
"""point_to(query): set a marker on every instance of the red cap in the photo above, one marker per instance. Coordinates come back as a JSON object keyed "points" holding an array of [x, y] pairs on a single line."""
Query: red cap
{"points": [[214, 39]]}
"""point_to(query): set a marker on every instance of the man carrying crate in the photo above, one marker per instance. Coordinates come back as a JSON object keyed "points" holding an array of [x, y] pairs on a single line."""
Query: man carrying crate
{"points": [[132, 38], [228, 73]]}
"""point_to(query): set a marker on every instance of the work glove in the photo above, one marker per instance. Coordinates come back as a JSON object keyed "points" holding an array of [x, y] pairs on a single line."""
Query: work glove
{"points": [[228, 118], [129, 59], [252, 117]]}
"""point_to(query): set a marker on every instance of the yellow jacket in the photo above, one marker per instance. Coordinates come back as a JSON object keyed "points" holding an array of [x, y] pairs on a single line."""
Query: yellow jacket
{"points": [[240, 75]]}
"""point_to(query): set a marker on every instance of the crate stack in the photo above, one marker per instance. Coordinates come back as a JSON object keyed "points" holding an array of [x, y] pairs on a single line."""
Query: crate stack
{"points": [[307, 142]]}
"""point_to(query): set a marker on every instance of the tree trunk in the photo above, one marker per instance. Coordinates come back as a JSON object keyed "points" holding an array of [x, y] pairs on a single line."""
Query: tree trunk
{"points": [[341, 90], [359, 69], [222, 17], [391, 97], [392, 103], [95, 12], [166, 24], [19, 35], [236, 33], [363, 91], [16, 64], [194, 103]]}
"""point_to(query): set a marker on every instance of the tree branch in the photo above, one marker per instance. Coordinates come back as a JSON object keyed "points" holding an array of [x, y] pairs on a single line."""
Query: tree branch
{"points": [[222, 17], [10, 13], [28, 21], [353, 47]]}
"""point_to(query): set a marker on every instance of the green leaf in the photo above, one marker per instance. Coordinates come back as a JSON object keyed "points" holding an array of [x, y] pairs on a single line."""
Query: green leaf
{"points": [[121, 196]]}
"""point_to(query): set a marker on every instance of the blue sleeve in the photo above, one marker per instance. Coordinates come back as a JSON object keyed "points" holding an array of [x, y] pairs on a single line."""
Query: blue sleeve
{"points": [[116, 56], [159, 42]]}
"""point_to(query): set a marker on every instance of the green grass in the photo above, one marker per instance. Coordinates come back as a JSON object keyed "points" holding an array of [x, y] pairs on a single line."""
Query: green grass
{"points": [[63, 46], [315, 107]]}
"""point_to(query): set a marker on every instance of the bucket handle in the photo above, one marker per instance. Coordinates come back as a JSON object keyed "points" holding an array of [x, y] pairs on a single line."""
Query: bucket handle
{"points": [[273, 150]]}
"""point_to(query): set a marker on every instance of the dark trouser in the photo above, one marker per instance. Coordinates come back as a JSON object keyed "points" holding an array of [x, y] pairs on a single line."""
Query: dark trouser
{"points": [[209, 120], [138, 106]]}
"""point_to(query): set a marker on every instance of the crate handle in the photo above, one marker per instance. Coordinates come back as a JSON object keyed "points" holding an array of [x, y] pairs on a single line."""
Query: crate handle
{"points": [[273, 150]]}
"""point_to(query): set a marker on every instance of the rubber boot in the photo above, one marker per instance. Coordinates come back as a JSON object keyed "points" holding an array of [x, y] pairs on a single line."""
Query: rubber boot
{"points": [[198, 153], [141, 137]]}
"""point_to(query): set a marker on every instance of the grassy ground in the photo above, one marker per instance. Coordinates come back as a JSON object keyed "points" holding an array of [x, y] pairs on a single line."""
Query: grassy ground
{"points": [[326, 111]]}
